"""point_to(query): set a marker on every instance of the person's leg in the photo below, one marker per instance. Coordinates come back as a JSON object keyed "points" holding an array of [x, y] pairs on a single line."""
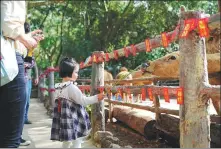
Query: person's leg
{"points": [[28, 88], [12, 106], [66, 144], [76, 143]]}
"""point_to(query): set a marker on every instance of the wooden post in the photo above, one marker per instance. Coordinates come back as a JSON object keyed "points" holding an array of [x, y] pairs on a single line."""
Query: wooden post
{"points": [[42, 85], [194, 116], [39, 91], [219, 5], [51, 87], [97, 110], [110, 109], [156, 101]]}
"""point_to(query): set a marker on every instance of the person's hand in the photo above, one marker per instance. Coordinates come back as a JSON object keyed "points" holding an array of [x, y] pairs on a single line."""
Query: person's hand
{"points": [[100, 96], [28, 41], [36, 81], [37, 35]]}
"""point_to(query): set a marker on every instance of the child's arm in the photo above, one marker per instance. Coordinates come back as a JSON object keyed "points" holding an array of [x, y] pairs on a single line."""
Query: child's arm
{"points": [[76, 95]]}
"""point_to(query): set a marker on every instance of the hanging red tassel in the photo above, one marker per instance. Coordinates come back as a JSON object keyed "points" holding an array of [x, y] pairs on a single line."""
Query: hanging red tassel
{"points": [[166, 95], [87, 88], [129, 93], [116, 54], [164, 40], [126, 52], [101, 89], [192, 23], [203, 27], [94, 58], [134, 50], [143, 94], [107, 57], [148, 47], [100, 58], [150, 93], [180, 96], [189, 26]]}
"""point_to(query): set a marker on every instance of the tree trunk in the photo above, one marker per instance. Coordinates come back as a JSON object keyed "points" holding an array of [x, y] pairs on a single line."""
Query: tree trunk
{"points": [[194, 116], [97, 110]]}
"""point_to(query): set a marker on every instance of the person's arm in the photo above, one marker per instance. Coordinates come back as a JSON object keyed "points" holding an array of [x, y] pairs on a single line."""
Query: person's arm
{"points": [[12, 23], [76, 95], [13, 18]]}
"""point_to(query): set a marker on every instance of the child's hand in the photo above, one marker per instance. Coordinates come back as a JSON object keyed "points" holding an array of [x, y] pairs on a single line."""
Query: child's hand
{"points": [[100, 96]]}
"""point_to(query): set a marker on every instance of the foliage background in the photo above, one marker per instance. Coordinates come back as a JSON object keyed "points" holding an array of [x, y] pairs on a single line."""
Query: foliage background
{"points": [[77, 28]]}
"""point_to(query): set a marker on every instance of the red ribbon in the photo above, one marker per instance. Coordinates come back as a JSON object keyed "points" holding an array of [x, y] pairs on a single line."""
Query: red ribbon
{"points": [[116, 54], [164, 40], [203, 27], [134, 50], [166, 95], [150, 93], [107, 57], [148, 46], [126, 52], [180, 96], [143, 94]]}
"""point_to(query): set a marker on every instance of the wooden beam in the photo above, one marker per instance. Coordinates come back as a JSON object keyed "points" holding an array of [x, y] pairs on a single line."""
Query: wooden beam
{"points": [[214, 23], [137, 89], [144, 107], [32, 4], [144, 79], [211, 90]]}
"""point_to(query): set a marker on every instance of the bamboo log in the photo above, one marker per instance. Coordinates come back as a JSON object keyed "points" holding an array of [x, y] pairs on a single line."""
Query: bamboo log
{"points": [[144, 107]]}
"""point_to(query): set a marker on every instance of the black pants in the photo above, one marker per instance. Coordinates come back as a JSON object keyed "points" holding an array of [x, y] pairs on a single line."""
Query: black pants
{"points": [[12, 107]]}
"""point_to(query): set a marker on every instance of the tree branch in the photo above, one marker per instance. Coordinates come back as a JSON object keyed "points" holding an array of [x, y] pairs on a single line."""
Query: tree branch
{"points": [[62, 21]]}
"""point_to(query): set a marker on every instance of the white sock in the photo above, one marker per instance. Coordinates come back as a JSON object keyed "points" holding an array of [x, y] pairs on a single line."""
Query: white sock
{"points": [[76, 143], [66, 144]]}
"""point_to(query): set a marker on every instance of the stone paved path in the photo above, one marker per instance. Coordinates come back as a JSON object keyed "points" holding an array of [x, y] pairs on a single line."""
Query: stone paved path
{"points": [[39, 132]]}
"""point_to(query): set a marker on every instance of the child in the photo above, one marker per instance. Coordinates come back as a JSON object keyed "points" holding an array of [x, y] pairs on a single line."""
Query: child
{"points": [[70, 120]]}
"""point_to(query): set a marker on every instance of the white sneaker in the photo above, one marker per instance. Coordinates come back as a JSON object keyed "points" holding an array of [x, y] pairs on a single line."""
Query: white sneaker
{"points": [[25, 142]]}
